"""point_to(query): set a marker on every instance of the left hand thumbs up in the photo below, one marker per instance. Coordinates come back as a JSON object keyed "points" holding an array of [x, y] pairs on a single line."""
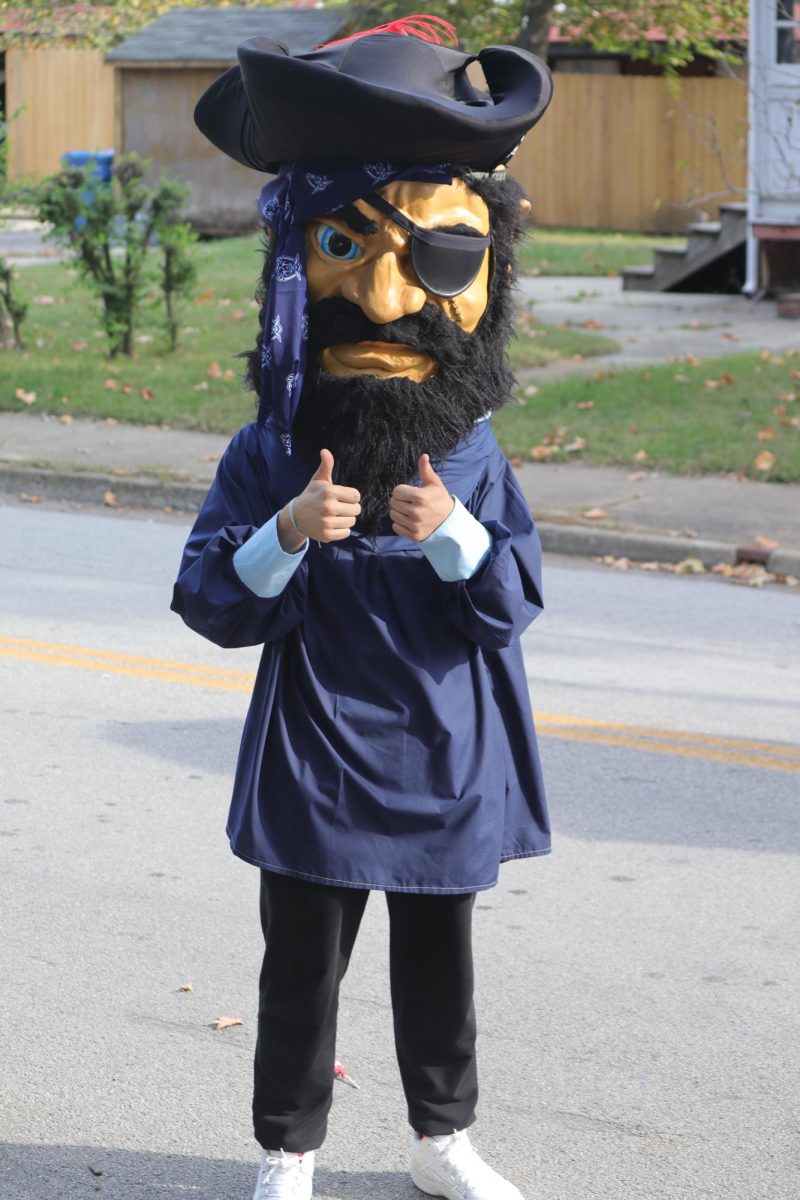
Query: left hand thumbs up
{"points": [[417, 511]]}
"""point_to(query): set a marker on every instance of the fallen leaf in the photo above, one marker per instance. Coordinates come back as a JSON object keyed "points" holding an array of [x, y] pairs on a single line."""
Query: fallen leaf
{"points": [[592, 324], [229, 375], [66, 419], [205, 297], [764, 355], [711, 385], [646, 375], [147, 394], [795, 374], [201, 387], [516, 461], [641, 456], [541, 452], [598, 375], [727, 378], [98, 333], [253, 304], [120, 471], [637, 475], [111, 385], [577, 357], [585, 405], [633, 429], [111, 421], [25, 397], [225, 302], [690, 566], [110, 499], [29, 498], [228, 1022], [126, 389], [766, 543], [143, 338], [681, 378], [779, 410], [788, 397], [764, 461], [43, 300], [79, 345], [732, 337], [531, 390], [766, 434], [185, 987], [595, 514], [573, 447], [692, 360], [214, 370], [238, 315], [210, 458]]}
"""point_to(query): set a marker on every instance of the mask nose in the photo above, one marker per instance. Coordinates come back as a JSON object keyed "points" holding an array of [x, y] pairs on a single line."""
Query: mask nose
{"points": [[382, 292]]}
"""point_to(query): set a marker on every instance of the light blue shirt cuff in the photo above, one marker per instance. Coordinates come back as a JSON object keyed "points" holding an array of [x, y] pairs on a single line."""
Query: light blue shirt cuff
{"points": [[263, 565], [459, 547]]}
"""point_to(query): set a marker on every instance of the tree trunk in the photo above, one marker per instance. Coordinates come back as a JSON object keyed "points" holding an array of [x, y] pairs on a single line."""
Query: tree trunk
{"points": [[536, 20]]}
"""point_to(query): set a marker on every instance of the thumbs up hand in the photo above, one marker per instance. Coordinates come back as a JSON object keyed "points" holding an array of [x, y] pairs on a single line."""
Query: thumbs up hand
{"points": [[417, 511], [324, 511]]}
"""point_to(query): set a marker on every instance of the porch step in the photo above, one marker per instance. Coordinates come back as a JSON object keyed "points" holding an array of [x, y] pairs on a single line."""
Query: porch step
{"points": [[708, 243]]}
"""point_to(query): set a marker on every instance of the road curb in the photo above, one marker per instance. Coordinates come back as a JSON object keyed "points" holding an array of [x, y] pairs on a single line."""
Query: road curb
{"points": [[92, 487], [558, 537]]}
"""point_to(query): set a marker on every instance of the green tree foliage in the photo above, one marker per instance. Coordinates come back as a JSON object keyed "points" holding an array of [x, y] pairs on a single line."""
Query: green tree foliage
{"points": [[689, 27], [114, 231]]}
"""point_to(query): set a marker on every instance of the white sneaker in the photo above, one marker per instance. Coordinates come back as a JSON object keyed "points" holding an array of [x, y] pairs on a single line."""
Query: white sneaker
{"points": [[284, 1176], [449, 1166]]}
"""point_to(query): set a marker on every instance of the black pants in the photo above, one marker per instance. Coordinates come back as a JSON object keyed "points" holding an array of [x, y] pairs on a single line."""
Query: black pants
{"points": [[309, 931]]}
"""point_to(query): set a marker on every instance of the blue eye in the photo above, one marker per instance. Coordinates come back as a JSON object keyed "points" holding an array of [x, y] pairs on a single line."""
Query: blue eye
{"points": [[336, 244]]}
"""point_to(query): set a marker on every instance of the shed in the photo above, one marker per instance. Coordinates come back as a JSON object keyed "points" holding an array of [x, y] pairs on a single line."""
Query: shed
{"points": [[162, 70]]}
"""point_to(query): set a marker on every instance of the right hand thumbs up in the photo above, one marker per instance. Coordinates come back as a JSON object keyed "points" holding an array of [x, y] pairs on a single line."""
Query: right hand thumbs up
{"points": [[326, 511], [324, 472]]}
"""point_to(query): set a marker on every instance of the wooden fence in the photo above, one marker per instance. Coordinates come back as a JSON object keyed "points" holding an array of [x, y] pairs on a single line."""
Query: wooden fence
{"points": [[626, 152], [612, 152], [64, 100]]}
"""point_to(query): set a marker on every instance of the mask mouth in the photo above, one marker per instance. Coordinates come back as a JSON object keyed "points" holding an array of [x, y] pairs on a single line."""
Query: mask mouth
{"points": [[444, 263]]}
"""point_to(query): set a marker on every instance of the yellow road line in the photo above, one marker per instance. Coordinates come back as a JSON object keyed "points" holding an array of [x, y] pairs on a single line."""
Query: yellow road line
{"points": [[117, 656], [709, 747], [773, 758]]}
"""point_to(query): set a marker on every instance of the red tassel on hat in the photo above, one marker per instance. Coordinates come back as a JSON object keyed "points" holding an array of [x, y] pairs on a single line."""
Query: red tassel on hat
{"points": [[421, 25]]}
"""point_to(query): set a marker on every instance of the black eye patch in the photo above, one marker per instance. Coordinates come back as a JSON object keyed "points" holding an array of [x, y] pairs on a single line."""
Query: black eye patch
{"points": [[444, 263]]}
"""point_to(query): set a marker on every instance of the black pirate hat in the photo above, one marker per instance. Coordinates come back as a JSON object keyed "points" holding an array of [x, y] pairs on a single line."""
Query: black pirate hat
{"points": [[381, 95]]}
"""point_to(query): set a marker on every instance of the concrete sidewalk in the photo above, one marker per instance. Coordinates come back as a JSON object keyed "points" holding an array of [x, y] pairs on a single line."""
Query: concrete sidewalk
{"points": [[643, 515]]}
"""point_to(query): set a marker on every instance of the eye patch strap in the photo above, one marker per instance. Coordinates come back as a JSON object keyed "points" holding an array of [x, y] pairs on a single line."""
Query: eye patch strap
{"points": [[431, 237]]}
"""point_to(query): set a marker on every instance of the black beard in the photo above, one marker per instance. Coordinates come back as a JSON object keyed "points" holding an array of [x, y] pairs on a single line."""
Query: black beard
{"points": [[377, 428]]}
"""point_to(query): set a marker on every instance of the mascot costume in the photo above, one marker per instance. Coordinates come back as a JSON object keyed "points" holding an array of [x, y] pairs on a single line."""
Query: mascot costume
{"points": [[368, 532]]}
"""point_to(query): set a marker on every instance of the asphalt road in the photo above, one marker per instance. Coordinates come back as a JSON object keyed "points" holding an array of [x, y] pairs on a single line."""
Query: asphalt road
{"points": [[638, 989]]}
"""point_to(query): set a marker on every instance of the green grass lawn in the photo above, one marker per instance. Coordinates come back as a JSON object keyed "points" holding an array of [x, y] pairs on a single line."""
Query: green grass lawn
{"points": [[585, 252], [65, 364], [735, 414]]}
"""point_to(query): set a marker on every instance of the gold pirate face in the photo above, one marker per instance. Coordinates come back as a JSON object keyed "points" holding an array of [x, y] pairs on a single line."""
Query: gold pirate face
{"points": [[375, 271]]}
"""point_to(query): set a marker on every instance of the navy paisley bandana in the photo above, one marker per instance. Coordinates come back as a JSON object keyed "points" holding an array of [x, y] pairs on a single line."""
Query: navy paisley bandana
{"points": [[300, 193]]}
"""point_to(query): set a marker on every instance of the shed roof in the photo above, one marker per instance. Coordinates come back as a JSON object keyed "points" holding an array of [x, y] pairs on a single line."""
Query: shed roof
{"points": [[213, 34]]}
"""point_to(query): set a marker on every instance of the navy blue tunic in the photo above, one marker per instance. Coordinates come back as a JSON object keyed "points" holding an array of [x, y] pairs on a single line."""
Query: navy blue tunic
{"points": [[389, 742]]}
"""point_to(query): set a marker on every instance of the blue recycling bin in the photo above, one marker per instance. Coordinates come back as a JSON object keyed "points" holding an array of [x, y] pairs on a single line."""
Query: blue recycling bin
{"points": [[99, 162]]}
